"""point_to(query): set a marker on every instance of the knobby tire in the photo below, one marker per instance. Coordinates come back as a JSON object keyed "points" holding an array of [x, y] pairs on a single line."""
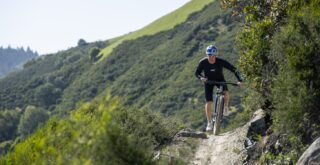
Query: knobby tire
{"points": [[219, 114]]}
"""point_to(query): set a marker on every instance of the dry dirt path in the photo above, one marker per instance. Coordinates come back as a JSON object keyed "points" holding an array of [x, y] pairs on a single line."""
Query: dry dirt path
{"points": [[228, 148], [222, 149]]}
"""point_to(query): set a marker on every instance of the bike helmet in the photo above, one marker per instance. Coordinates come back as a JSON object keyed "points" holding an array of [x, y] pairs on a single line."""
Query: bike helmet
{"points": [[211, 50]]}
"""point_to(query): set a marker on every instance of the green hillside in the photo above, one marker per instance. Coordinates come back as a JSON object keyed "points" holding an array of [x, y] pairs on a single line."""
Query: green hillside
{"points": [[153, 70], [77, 107], [150, 74], [42, 81], [165, 23], [157, 71]]}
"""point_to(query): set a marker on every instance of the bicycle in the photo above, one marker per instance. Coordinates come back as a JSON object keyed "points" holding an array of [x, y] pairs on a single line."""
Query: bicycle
{"points": [[218, 104]]}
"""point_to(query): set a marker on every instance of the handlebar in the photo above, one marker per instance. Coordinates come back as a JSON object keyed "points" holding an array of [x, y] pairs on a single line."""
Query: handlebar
{"points": [[220, 83]]}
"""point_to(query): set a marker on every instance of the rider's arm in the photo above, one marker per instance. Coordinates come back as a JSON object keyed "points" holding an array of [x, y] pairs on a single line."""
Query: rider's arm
{"points": [[233, 69], [199, 71]]}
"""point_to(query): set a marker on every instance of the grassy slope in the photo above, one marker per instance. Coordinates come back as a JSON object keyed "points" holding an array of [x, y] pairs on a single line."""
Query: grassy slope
{"points": [[162, 24]]}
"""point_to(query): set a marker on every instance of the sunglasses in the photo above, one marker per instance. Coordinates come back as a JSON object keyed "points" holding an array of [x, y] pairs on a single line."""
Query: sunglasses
{"points": [[211, 54]]}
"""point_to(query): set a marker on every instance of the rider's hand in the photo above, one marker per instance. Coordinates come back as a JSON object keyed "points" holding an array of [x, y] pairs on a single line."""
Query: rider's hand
{"points": [[239, 84], [203, 79]]}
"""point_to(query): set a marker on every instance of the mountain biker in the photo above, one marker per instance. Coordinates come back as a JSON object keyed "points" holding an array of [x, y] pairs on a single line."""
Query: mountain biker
{"points": [[212, 67]]}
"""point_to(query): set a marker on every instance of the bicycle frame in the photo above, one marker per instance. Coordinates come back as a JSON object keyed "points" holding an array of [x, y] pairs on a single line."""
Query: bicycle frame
{"points": [[218, 105]]}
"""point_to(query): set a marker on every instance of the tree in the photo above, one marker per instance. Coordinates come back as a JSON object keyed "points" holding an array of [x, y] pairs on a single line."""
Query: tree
{"points": [[82, 42], [9, 120], [31, 119], [47, 94], [93, 53]]}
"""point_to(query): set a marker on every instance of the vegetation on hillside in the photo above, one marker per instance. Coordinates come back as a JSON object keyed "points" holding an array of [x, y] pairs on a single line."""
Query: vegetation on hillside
{"points": [[28, 97], [99, 132], [13, 59], [149, 73], [158, 71], [9, 121], [42, 81], [279, 55], [152, 70], [155, 71]]}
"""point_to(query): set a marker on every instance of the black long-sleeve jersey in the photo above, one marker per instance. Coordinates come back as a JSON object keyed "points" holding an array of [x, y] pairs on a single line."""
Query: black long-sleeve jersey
{"points": [[214, 71]]}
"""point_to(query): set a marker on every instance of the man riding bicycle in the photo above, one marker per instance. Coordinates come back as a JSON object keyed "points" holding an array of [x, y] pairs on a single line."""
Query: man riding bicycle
{"points": [[212, 66]]}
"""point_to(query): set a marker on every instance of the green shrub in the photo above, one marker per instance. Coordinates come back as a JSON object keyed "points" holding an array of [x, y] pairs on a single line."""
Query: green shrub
{"points": [[93, 52], [280, 57], [31, 119], [9, 120], [99, 132], [5, 146]]}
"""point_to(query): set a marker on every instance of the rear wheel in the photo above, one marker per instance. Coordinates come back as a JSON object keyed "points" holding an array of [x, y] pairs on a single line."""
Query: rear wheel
{"points": [[219, 114]]}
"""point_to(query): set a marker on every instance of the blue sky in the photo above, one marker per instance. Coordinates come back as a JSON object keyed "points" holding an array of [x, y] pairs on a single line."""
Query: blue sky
{"points": [[48, 26]]}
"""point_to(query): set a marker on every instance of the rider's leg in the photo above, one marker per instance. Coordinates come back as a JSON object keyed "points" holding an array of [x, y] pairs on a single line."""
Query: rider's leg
{"points": [[208, 111], [208, 93], [226, 98]]}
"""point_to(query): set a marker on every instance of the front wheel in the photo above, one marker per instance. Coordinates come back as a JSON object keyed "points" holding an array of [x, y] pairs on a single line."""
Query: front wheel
{"points": [[219, 114]]}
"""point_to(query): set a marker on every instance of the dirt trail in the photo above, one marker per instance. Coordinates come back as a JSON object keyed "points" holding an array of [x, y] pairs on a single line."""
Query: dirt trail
{"points": [[224, 149], [228, 148]]}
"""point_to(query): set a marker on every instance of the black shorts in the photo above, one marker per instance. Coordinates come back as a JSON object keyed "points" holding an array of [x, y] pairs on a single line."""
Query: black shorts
{"points": [[208, 90]]}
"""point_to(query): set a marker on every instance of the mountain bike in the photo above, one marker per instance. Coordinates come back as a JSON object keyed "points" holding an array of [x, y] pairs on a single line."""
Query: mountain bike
{"points": [[218, 104]]}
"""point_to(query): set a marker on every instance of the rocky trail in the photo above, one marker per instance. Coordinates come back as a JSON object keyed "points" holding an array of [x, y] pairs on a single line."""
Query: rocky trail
{"points": [[227, 148], [235, 147]]}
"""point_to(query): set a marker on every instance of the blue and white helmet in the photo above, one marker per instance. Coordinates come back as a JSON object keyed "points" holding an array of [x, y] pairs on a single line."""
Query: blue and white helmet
{"points": [[211, 50]]}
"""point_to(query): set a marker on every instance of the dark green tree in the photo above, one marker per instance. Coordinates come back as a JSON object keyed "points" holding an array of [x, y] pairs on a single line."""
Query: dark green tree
{"points": [[94, 53], [9, 120], [47, 94], [82, 42]]}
